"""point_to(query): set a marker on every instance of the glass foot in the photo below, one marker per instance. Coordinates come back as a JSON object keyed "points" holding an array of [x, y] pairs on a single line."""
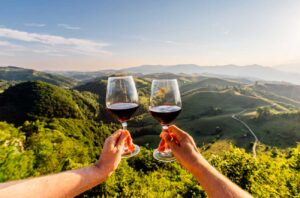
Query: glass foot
{"points": [[133, 153], [164, 156]]}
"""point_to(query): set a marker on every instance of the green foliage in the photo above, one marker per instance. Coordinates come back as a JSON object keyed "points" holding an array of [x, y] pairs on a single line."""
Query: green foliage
{"points": [[263, 112], [43, 147], [31, 100], [143, 176], [15, 162], [58, 131], [268, 176]]}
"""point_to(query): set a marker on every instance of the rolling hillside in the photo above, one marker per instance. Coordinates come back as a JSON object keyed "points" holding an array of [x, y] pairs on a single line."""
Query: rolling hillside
{"points": [[59, 129], [209, 82], [285, 90], [11, 73], [207, 115], [5, 84], [31, 100]]}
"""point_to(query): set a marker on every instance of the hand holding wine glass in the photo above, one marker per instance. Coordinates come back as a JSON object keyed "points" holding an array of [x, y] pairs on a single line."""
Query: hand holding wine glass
{"points": [[122, 102], [184, 148], [165, 106]]}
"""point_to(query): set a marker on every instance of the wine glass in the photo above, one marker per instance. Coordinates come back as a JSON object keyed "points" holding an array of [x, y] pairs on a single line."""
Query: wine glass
{"points": [[122, 101], [165, 106]]}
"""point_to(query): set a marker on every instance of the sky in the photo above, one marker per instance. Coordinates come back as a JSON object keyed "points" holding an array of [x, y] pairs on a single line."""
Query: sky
{"points": [[95, 35]]}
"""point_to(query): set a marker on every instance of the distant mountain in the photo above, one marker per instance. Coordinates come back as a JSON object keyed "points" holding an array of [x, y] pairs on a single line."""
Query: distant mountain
{"points": [[11, 73], [251, 71], [83, 76], [289, 67]]}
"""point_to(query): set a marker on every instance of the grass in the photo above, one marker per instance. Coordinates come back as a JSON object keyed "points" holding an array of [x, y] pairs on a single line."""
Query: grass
{"points": [[203, 127], [210, 128], [277, 130]]}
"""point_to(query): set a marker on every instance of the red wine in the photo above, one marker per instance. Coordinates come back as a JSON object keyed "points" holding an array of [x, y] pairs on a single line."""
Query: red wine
{"points": [[165, 114], [123, 111]]}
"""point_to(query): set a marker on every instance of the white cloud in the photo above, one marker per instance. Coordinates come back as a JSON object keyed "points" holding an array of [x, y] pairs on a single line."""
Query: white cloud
{"points": [[171, 42], [68, 27], [34, 25], [7, 46], [55, 43], [7, 54], [4, 43], [166, 42]]}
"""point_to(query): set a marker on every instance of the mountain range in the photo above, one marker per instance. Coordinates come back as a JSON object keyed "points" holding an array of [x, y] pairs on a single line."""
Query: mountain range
{"points": [[256, 72], [253, 72], [70, 78]]}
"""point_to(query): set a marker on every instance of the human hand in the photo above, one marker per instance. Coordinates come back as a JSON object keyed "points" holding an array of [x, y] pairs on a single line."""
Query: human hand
{"points": [[183, 147], [112, 151]]}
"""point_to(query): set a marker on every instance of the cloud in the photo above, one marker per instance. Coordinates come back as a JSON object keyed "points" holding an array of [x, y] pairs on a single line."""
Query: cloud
{"points": [[34, 25], [171, 42], [165, 42], [10, 46], [4, 43], [7, 54], [68, 27], [55, 43]]}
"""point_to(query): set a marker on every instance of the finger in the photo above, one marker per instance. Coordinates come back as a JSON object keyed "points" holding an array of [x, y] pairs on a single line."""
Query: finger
{"points": [[180, 134], [172, 144], [162, 145], [121, 141]]}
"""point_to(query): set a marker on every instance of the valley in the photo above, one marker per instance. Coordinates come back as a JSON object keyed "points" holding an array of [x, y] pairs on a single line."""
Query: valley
{"points": [[52, 123]]}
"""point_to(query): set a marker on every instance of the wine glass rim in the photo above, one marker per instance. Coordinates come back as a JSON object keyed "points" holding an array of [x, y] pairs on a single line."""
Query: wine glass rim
{"points": [[165, 79], [119, 77]]}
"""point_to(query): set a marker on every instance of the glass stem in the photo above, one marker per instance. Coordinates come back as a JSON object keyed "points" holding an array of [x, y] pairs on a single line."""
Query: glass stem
{"points": [[124, 125], [165, 127]]}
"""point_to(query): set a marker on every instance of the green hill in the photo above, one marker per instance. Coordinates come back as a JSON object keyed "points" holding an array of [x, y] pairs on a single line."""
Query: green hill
{"points": [[11, 73], [209, 82], [280, 130], [98, 87], [285, 93], [58, 129], [3, 85], [31, 100], [207, 116]]}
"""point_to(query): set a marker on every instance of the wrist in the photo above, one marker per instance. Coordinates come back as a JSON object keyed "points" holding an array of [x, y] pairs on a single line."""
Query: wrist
{"points": [[199, 167], [101, 171], [197, 163]]}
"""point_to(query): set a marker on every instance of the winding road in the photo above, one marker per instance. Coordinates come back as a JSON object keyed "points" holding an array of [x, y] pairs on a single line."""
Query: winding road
{"points": [[234, 116]]}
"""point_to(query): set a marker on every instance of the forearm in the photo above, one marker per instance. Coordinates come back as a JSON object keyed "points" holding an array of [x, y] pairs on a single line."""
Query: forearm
{"points": [[213, 182], [66, 184]]}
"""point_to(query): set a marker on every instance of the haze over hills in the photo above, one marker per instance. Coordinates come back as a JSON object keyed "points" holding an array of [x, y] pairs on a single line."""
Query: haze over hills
{"points": [[295, 67], [251, 72]]}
